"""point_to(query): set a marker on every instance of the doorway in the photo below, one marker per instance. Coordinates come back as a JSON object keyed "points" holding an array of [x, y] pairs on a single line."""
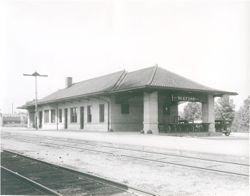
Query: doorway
{"points": [[66, 118], [40, 119], [82, 117]]}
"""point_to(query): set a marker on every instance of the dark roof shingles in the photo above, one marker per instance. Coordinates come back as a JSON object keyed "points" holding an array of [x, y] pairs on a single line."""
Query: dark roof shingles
{"points": [[135, 79], [164, 78], [121, 81], [91, 86]]}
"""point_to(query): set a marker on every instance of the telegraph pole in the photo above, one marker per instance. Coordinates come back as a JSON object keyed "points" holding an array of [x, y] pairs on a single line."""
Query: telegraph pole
{"points": [[35, 74]]}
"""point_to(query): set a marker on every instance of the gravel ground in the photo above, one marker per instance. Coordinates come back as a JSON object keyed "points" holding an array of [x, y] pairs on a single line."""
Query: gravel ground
{"points": [[160, 178]]}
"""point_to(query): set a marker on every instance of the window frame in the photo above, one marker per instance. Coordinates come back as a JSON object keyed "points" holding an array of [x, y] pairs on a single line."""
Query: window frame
{"points": [[124, 108], [46, 116], [73, 115], [89, 114], [101, 113], [52, 116], [60, 114]]}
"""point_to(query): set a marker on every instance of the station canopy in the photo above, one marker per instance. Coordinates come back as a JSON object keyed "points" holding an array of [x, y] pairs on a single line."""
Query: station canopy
{"points": [[154, 78]]}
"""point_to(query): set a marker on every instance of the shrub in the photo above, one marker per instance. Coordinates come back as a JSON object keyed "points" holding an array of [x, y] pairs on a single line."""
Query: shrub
{"points": [[149, 132]]}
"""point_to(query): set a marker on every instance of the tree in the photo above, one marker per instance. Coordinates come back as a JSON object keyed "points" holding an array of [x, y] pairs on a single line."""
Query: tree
{"points": [[192, 111], [241, 121], [224, 109], [245, 112]]}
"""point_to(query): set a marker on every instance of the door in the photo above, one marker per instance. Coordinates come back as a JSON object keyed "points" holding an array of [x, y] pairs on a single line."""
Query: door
{"points": [[82, 117], [65, 118], [40, 119]]}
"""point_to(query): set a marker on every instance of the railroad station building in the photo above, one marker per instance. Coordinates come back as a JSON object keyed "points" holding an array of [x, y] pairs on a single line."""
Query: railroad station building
{"points": [[145, 100]]}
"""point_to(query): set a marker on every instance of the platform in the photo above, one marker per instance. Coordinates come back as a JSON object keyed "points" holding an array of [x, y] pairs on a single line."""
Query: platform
{"points": [[234, 145]]}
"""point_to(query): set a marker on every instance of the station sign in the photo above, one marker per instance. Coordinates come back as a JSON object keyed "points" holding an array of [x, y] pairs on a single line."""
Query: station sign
{"points": [[176, 98]]}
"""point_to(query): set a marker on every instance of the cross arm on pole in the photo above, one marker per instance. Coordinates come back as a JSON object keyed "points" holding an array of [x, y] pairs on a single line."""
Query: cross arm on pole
{"points": [[43, 75], [35, 74]]}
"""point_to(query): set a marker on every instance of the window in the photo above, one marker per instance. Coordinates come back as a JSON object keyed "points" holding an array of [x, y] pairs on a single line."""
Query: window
{"points": [[125, 108], [60, 115], [53, 116], [73, 115], [89, 115], [101, 112], [46, 116]]}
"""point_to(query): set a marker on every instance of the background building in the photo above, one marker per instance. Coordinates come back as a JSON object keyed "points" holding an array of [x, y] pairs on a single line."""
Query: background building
{"points": [[14, 120]]}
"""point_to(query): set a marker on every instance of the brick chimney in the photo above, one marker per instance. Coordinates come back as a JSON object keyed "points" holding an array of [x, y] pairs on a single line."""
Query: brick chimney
{"points": [[68, 82]]}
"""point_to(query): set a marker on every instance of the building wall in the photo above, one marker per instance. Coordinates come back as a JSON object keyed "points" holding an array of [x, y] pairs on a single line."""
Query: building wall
{"points": [[15, 120], [150, 113], [94, 125], [170, 116], [31, 119], [1, 120], [48, 125], [162, 117], [114, 119], [133, 121]]}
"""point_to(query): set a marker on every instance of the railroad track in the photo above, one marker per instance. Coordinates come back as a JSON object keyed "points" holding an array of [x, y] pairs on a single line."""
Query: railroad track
{"points": [[95, 144], [230, 168], [13, 183], [115, 146], [52, 179]]}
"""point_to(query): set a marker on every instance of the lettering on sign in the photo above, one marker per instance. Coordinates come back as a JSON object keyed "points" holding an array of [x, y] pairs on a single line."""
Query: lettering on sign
{"points": [[176, 98]]}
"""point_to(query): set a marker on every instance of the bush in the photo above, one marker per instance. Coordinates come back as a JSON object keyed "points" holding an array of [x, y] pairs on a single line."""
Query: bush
{"points": [[149, 132]]}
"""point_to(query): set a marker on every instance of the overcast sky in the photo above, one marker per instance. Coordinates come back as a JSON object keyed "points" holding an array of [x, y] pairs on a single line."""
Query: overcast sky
{"points": [[206, 41]]}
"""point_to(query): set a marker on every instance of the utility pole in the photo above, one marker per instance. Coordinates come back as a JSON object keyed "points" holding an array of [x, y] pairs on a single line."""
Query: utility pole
{"points": [[35, 74]]}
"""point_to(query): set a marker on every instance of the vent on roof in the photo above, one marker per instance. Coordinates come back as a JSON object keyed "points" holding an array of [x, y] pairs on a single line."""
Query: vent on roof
{"points": [[68, 82]]}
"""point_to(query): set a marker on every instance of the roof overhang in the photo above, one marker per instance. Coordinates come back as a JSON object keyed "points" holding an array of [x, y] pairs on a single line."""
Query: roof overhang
{"points": [[215, 93], [218, 93], [66, 99]]}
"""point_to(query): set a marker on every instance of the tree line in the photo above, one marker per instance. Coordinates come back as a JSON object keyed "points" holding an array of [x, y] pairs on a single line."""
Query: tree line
{"points": [[224, 109]]}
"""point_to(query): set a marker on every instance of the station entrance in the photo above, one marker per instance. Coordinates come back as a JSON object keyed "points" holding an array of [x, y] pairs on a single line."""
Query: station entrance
{"points": [[170, 120], [156, 111], [180, 124]]}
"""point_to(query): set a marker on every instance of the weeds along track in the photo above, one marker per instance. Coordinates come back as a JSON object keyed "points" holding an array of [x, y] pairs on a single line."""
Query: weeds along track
{"points": [[58, 180], [13, 183]]}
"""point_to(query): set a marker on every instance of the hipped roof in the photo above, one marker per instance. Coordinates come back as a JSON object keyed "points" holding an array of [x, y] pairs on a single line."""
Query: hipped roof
{"points": [[152, 77]]}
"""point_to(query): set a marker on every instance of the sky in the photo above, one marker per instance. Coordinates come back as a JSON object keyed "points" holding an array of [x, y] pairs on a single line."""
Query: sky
{"points": [[204, 40]]}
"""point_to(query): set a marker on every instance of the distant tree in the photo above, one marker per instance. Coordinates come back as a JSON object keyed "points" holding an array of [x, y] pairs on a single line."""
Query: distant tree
{"points": [[241, 121], [245, 112], [224, 108], [192, 111], [181, 114]]}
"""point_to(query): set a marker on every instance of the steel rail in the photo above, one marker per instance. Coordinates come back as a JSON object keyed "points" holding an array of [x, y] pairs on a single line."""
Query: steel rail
{"points": [[32, 182], [146, 159], [146, 151], [96, 178], [159, 153], [154, 160]]}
